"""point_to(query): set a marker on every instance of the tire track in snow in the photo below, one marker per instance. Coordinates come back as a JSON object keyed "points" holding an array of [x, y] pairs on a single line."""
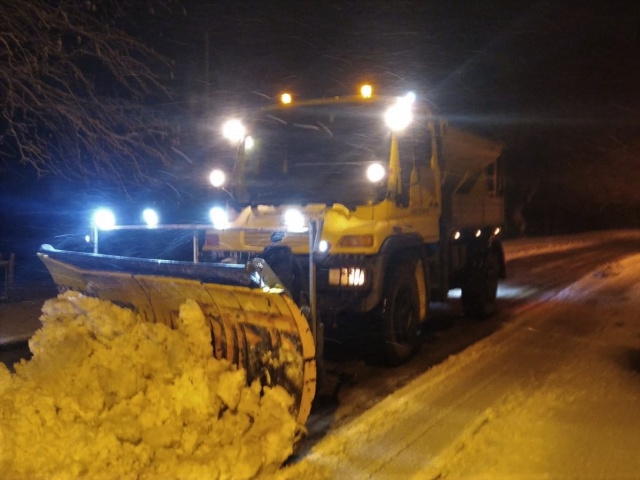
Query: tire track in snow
{"points": [[440, 413]]}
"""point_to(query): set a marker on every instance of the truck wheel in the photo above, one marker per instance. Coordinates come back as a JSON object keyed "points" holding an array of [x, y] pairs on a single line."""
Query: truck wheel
{"points": [[400, 316], [480, 288]]}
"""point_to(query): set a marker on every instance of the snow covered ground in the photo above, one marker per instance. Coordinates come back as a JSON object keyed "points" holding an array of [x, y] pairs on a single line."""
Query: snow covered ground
{"points": [[108, 396], [554, 394], [525, 247]]}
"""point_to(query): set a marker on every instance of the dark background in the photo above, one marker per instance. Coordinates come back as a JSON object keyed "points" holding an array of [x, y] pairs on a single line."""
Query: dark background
{"points": [[557, 81]]}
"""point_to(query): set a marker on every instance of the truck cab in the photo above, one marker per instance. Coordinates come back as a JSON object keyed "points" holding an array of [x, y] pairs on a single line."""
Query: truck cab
{"points": [[377, 175]]}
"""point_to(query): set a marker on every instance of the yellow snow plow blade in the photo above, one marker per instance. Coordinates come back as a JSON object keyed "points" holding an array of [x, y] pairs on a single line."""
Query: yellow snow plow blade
{"points": [[253, 325]]}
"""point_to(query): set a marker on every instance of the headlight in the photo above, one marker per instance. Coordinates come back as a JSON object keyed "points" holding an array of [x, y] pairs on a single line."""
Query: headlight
{"points": [[400, 115], [375, 172], [150, 217], [233, 130], [217, 178], [294, 220], [219, 217], [104, 219], [349, 277], [323, 246]]}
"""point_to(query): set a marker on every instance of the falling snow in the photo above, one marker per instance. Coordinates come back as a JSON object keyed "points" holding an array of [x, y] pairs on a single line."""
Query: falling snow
{"points": [[552, 394]]}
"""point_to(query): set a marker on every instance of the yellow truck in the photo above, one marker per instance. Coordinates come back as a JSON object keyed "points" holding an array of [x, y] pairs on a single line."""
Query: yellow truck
{"points": [[405, 208], [349, 213]]}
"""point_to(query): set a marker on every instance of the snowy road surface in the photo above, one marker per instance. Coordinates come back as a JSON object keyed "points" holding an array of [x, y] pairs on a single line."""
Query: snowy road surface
{"points": [[549, 388], [553, 393]]}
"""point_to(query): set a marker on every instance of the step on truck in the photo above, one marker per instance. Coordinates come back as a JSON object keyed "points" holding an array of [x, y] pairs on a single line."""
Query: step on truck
{"points": [[343, 213]]}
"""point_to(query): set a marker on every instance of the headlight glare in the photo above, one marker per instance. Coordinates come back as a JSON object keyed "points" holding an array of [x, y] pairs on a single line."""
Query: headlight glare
{"points": [[400, 115], [217, 178], [294, 220], [150, 217], [348, 277], [233, 130], [219, 218], [104, 219], [375, 172]]}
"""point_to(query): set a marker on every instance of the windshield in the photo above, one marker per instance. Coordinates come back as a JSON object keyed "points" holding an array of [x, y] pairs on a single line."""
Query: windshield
{"points": [[314, 154]]}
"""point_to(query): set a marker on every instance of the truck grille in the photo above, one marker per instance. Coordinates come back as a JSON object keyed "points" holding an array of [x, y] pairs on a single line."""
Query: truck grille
{"points": [[259, 240]]}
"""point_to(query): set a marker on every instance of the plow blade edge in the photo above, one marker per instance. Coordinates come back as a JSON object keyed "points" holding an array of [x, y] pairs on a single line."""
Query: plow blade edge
{"points": [[253, 326]]}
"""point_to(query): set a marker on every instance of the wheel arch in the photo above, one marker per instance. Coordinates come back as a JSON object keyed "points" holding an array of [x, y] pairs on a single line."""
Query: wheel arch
{"points": [[479, 247], [479, 282], [400, 248], [398, 316], [495, 245]]}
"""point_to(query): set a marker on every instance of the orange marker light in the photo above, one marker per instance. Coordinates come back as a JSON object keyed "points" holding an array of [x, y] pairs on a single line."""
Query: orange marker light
{"points": [[286, 98]]}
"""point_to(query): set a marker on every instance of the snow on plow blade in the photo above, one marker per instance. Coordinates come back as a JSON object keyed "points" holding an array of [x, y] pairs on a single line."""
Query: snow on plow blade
{"points": [[253, 325]]}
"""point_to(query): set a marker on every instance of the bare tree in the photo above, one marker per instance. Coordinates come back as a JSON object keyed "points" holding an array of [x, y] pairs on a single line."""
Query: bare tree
{"points": [[76, 90], [609, 176]]}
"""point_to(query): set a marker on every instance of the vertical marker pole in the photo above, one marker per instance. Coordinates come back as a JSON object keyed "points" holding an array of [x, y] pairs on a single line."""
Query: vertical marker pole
{"points": [[317, 327], [95, 239], [195, 247]]}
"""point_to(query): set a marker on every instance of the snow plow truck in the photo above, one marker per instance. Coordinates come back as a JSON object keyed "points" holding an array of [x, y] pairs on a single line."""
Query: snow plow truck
{"points": [[362, 207]]}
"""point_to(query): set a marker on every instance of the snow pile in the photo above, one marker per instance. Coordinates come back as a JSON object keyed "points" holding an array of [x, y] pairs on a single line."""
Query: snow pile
{"points": [[109, 396]]}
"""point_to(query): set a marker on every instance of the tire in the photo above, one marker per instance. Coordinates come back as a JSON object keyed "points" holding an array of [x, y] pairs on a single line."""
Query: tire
{"points": [[480, 288], [400, 315]]}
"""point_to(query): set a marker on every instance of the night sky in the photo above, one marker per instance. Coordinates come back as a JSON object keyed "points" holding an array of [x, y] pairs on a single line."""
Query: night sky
{"points": [[529, 61], [557, 81]]}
